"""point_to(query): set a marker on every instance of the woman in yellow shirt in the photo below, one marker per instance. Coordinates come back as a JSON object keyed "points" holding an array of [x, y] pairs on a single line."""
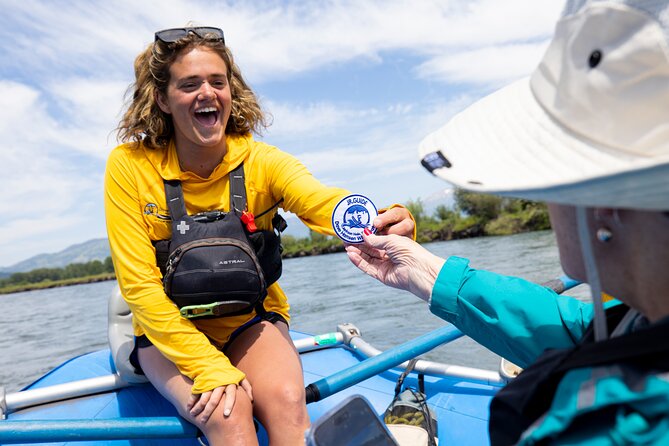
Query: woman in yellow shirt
{"points": [[191, 119]]}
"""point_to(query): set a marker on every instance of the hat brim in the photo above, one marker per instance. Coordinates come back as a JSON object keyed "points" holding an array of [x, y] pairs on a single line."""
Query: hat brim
{"points": [[507, 144]]}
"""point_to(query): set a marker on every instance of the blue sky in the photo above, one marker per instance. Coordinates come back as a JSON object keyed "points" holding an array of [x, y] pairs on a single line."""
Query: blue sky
{"points": [[353, 87]]}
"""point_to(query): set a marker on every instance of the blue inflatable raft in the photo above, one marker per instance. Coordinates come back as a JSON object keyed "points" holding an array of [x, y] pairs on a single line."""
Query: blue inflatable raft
{"points": [[97, 398]]}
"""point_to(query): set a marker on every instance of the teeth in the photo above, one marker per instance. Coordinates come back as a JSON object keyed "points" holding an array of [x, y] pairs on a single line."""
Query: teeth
{"points": [[206, 110]]}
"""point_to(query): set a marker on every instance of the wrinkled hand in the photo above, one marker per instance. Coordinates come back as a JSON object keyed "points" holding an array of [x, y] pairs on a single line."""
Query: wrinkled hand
{"points": [[395, 221], [203, 405], [398, 262]]}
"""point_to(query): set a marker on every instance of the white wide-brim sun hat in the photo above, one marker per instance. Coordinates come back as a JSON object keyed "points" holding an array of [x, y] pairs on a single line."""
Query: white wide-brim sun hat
{"points": [[589, 127]]}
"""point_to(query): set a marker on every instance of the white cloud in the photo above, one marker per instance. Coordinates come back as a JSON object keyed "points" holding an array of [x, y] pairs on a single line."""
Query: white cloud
{"points": [[291, 119], [294, 38], [24, 118], [489, 66], [90, 110], [270, 39], [381, 150], [45, 185], [64, 67]]}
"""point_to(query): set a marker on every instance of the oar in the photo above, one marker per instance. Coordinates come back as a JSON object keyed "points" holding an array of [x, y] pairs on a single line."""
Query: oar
{"points": [[369, 367], [52, 431], [397, 355]]}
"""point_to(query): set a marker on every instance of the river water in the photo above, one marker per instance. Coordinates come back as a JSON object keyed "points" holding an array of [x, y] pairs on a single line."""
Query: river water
{"points": [[41, 329]]}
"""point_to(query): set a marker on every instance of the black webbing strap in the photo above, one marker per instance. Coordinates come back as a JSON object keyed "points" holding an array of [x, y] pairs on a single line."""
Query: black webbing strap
{"points": [[238, 203], [409, 368], [270, 208], [238, 198], [175, 199], [237, 189]]}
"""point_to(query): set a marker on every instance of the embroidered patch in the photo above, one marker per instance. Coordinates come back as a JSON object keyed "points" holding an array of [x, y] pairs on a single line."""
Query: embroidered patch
{"points": [[351, 216]]}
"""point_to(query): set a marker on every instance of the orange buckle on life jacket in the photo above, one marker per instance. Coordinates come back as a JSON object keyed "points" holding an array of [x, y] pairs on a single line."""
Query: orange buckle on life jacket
{"points": [[249, 221]]}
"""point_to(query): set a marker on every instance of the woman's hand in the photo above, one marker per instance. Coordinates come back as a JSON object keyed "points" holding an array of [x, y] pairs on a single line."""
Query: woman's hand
{"points": [[395, 220], [398, 262], [203, 405]]}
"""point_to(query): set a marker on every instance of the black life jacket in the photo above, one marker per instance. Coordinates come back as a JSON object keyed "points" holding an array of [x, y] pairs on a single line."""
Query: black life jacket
{"points": [[216, 264], [529, 396]]}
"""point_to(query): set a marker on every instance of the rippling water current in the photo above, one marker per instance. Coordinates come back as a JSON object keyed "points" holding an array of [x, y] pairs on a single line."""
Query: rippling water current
{"points": [[41, 329]]}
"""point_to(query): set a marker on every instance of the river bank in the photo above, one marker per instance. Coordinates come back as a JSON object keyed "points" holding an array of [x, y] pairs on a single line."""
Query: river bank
{"points": [[57, 283], [429, 229]]}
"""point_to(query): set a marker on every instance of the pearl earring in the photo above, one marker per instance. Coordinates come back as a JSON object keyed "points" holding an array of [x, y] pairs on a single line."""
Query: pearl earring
{"points": [[604, 235]]}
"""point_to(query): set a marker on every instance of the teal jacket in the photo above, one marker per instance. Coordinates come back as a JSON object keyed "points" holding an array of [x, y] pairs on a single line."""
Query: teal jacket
{"points": [[519, 320]]}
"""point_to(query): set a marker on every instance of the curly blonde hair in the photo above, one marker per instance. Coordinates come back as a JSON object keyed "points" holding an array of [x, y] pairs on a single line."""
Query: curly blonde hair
{"points": [[145, 121]]}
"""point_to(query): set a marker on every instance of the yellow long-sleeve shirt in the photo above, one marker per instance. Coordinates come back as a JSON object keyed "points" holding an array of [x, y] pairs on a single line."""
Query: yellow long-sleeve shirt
{"points": [[135, 211]]}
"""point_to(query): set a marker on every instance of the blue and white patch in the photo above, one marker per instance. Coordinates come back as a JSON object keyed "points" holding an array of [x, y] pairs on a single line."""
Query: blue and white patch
{"points": [[351, 216]]}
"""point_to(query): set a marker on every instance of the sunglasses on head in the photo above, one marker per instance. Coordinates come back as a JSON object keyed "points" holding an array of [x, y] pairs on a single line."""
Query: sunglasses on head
{"points": [[204, 32]]}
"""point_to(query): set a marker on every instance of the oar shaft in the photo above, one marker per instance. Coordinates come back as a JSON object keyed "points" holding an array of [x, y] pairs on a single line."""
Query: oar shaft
{"points": [[386, 360], [50, 431]]}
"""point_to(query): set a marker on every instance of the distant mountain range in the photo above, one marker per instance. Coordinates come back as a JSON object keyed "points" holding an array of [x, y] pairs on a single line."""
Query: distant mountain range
{"points": [[443, 197], [98, 249]]}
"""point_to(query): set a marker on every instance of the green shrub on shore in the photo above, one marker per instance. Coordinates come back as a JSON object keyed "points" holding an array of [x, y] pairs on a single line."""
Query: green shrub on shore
{"points": [[532, 219], [476, 215], [56, 283], [315, 244]]}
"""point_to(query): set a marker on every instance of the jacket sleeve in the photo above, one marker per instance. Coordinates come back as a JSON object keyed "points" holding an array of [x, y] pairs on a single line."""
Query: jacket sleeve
{"points": [[140, 282], [510, 316], [303, 194]]}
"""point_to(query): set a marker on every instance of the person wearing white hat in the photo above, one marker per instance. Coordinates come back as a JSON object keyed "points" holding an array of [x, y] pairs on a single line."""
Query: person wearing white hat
{"points": [[588, 132]]}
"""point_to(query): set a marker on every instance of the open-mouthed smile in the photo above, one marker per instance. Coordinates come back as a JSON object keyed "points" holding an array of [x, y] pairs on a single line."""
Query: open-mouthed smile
{"points": [[207, 116]]}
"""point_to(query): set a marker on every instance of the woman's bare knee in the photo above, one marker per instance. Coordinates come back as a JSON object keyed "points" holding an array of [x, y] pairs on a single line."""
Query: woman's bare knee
{"points": [[264, 352], [236, 428], [285, 406], [291, 395]]}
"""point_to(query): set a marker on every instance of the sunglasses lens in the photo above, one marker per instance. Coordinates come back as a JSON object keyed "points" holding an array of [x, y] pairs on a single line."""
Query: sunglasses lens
{"points": [[171, 35], [204, 32], [209, 33]]}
